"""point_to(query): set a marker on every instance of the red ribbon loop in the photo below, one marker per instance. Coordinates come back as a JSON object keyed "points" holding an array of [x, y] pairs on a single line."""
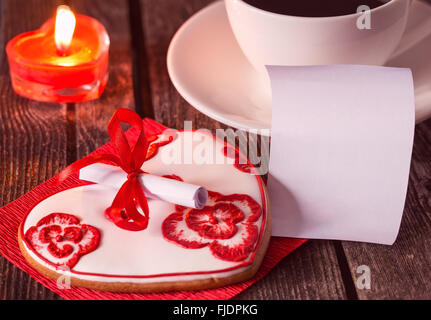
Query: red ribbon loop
{"points": [[129, 210]]}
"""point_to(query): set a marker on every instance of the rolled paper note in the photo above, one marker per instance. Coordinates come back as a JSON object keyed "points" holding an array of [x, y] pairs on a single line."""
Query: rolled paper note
{"points": [[155, 187]]}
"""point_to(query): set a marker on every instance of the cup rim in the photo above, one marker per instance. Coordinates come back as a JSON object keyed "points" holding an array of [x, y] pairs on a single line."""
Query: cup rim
{"points": [[345, 16]]}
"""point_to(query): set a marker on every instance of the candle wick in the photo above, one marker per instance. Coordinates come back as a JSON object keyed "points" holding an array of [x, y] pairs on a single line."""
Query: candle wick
{"points": [[65, 23], [63, 52]]}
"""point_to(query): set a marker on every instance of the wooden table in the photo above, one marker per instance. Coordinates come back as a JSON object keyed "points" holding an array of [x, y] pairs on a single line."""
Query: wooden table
{"points": [[37, 140]]}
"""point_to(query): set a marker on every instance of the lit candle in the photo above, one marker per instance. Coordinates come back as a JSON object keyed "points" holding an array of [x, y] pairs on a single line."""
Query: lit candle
{"points": [[65, 23], [66, 60]]}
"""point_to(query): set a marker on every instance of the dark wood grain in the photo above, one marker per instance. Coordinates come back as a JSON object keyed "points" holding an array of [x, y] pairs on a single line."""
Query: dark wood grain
{"points": [[403, 271], [307, 273], [312, 272], [33, 137], [92, 117], [161, 19]]}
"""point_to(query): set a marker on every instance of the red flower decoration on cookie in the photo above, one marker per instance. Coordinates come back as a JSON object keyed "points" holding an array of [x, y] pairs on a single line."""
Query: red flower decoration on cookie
{"points": [[61, 239], [227, 225]]}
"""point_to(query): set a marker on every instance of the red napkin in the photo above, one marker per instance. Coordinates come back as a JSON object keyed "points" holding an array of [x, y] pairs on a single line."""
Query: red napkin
{"points": [[12, 214]]}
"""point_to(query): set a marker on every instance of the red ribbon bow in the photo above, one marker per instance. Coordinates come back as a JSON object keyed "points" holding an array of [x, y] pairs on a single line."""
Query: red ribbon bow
{"points": [[124, 209]]}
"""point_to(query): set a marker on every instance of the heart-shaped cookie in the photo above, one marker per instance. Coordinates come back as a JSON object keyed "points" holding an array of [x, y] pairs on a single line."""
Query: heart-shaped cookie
{"points": [[182, 248]]}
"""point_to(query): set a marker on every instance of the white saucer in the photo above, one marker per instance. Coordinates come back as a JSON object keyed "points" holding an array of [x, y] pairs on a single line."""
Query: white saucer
{"points": [[209, 70]]}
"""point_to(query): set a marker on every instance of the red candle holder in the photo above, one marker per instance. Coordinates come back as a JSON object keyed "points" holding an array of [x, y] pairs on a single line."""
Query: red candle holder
{"points": [[41, 72]]}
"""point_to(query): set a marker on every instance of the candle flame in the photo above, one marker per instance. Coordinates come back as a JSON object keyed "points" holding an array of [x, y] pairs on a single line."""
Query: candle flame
{"points": [[65, 22]]}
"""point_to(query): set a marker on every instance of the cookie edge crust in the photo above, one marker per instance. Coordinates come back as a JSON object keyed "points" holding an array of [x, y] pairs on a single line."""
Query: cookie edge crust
{"points": [[131, 287]]}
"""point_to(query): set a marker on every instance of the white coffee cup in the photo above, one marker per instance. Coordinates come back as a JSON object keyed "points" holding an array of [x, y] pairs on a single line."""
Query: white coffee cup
{"points": [[268, 38]]}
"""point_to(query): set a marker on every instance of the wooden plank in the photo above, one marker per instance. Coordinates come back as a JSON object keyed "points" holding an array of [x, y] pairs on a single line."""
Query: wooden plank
{"points": [[33, 137], [92, 117], [403, 271], [302, 276], [161, 19], [309, 273]]}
